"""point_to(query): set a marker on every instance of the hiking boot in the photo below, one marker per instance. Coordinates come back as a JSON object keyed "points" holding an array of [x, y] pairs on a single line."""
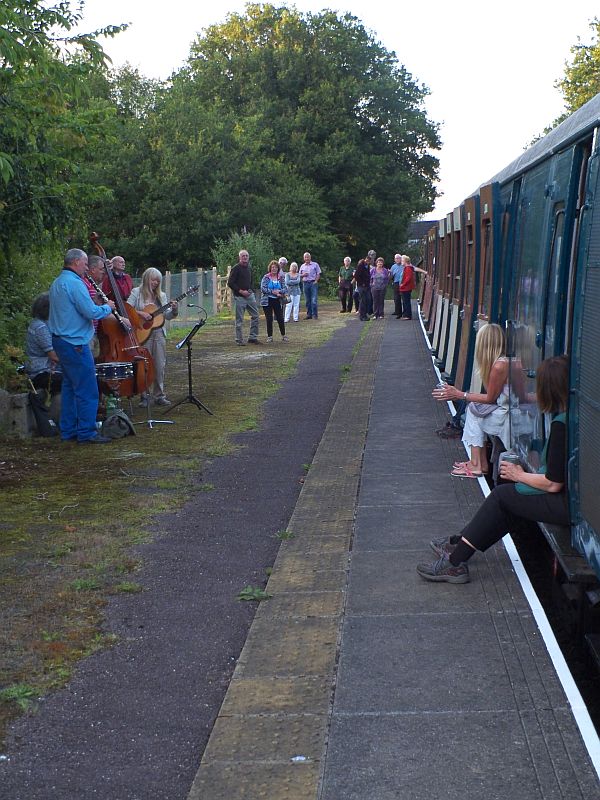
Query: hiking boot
{"points": [[443, 570], [442, 547]]}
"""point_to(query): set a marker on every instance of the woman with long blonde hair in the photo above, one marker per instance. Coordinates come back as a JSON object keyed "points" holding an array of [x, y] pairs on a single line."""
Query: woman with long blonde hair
{"points": [[488, 412], [149, 294]]}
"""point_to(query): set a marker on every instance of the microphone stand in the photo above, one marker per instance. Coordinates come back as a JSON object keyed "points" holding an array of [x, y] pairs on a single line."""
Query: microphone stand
{"points": [[190, 398]]}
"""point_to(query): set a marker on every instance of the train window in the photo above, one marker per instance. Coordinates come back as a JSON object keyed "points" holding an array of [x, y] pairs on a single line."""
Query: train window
{"points": [[529, 267], [486, 293], [469, 267], [554, 305]]}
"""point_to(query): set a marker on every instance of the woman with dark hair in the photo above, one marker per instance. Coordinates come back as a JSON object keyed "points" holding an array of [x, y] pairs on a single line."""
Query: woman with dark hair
{"points": [[272, 291], [536, 496], [42, 366]]}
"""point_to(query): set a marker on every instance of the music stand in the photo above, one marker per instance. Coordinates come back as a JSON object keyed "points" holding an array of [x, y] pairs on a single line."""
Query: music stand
{"points": [[191, 398]]}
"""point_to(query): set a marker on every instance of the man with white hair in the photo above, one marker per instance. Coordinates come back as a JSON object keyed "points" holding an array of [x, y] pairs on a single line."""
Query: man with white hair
{"points": [[71, 313], [310, 273], [240, 283]]}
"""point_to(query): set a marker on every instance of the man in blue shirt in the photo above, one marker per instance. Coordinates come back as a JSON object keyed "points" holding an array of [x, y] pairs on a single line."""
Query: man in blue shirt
{"points": [[71, 313], [397, 270]]}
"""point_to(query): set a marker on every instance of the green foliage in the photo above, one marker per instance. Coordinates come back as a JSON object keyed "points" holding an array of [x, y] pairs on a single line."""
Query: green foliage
{"points": [[19, 693], [284, 536], [225, 252], [581, 81], [253, 593]]}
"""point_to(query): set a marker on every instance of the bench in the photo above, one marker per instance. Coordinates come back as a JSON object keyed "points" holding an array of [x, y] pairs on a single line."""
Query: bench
{"points": [[572, 563]]}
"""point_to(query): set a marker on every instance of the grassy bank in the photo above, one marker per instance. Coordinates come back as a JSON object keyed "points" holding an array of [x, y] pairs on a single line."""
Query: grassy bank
{"points": [[71, 515]]}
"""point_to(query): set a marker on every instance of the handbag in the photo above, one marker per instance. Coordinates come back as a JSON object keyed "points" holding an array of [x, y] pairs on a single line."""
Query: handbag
{"points": [[482, 409], [285, 299]]}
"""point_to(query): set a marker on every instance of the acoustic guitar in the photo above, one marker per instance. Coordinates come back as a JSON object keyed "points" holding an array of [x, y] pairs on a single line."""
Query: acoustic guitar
{"points": [[157, 315]]}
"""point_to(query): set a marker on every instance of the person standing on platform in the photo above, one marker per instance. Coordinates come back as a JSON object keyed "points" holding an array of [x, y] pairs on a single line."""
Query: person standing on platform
{"points": [[123, 281], [71, 313], [380, 277], [396, 271], [345, 276], [272, 291], [293, 291], [149, 294], [240, 283], [362, 276], [534, 496], [310, 273], [407, 286]]}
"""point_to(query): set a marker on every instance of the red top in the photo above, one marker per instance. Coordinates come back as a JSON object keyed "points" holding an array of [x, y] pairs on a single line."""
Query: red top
{"points": [[124, 284], [408, 282]]}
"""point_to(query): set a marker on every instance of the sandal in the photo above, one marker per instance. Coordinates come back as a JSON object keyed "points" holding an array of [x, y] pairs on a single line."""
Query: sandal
{"points": [[465, 472]]}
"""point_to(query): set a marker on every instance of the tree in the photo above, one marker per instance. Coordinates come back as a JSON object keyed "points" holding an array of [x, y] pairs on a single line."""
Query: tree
{"points": [[319, 94], [44, 136], [582, 75]]}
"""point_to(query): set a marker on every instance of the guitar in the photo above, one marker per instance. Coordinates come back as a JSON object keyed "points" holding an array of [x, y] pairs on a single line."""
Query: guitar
{"points": [[157, 315]]}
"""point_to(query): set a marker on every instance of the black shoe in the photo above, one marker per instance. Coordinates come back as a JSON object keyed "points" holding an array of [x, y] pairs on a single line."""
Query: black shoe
{"points": [[254, 341], [96, 440]]}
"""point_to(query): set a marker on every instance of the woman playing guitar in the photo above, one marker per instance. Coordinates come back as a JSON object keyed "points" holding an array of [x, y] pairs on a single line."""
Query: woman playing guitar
{"points": [[149, 295]]}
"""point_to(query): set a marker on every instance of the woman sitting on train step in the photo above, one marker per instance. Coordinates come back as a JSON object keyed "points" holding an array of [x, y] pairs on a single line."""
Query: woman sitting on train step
{"points": [[487, 412], [535, 496]]}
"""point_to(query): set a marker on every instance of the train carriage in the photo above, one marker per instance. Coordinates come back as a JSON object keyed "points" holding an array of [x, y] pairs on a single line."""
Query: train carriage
{"points": [[530, 259]]}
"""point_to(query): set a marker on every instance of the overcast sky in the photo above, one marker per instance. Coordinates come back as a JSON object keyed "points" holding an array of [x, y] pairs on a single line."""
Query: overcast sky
{"points": [[491, 68]]}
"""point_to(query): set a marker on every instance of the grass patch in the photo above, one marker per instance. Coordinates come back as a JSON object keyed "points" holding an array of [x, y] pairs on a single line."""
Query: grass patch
{"points": [[128, 587], [70, 516], [253, 593], [284, 536]]}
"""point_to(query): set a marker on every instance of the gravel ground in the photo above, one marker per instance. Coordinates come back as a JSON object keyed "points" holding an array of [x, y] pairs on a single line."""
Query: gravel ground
{"points": [[133, 722]]}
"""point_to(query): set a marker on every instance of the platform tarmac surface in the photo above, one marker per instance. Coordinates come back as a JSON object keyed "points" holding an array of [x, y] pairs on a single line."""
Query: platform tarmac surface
{"points": [[361, 681]]}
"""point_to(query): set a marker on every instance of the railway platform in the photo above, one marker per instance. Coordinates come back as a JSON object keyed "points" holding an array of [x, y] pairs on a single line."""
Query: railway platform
{"points": [[359, 680]]}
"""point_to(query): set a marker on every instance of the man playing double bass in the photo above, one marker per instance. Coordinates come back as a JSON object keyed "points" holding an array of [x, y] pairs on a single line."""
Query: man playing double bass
{"points": [[71, 313], [123, 281]]}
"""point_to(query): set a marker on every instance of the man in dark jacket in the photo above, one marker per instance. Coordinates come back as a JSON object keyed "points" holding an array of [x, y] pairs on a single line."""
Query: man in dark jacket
{"points": [[240, 283]]}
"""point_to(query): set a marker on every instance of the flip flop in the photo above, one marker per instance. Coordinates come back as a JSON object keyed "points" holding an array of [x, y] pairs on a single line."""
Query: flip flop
{"points": [[465, 472]]}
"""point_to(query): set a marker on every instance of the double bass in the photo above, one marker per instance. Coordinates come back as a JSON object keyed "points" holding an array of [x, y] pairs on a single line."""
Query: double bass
{"points": [[118, 342]]}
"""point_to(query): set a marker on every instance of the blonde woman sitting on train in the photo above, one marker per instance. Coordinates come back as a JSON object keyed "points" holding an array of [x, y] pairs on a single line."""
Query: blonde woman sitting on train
{"points": [[489, 412]]}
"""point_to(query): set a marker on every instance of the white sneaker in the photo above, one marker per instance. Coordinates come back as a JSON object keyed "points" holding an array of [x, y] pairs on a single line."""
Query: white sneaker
{"points": [[285, 339], [269, 338]]}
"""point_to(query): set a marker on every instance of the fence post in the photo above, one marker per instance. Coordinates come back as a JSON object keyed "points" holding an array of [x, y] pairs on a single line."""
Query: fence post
{"points": [[214, 290], [167, 290]]}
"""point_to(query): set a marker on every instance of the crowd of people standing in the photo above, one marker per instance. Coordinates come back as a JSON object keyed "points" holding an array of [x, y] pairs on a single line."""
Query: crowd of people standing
{"points": [[361, 289]]}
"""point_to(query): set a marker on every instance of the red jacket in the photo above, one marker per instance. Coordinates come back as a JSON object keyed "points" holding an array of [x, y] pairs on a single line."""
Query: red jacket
{"points": [[408, 281]]}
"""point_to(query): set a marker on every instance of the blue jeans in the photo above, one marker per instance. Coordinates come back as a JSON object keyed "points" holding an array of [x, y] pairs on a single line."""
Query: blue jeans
{"points": [[311, 290], [79, 404]]}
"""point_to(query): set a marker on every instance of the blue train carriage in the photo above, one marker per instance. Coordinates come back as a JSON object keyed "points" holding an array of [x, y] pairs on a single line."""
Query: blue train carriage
{"points": [[546, 283]]}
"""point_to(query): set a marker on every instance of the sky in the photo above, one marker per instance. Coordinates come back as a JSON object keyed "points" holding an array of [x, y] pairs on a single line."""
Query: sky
{"points": [[490, 68]]}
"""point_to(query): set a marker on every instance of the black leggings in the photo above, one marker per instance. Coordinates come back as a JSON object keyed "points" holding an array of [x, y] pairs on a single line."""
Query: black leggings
{"points": [[499, 512], [276, 308]]}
